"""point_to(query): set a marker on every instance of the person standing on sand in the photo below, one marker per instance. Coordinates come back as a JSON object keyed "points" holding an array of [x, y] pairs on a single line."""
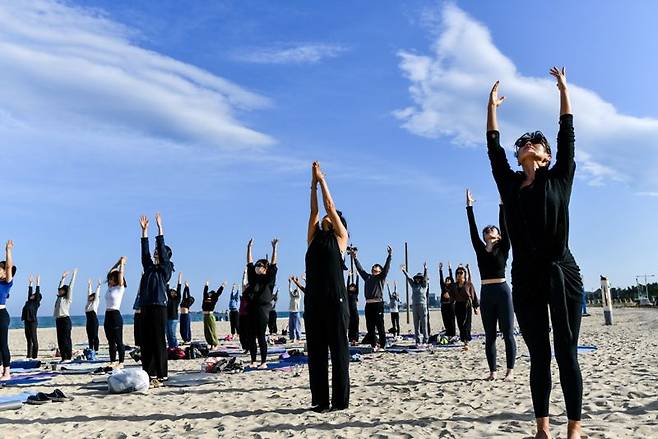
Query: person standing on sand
{"points": [[113, 323], [91, 314], [294, 321], [173, 301], [29, 317], [394, 307], [326, 310], [210, 299], [61, 314], [447, 302], [462, 292], [353, 298], [233, 310], [7, 272], [153, 302], [418, 286], [185, 322], [545, 274]]}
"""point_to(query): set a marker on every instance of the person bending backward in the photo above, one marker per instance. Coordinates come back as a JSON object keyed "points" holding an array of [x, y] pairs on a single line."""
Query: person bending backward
{"points": [[447, 301], [294, 321], [544, 272], [173, 301], [373, 290], [153, 302], [353, 299], [418, 286], [233, 310], [495, 295], [261, 278], [210, 299], [62, 316], [91, 314], [29, 317], [394, 307], [185, 322], [113, 324], [325, 302], [7, 272], [462, 292]]}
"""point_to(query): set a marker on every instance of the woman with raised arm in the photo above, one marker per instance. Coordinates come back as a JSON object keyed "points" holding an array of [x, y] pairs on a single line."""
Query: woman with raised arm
{"points": [[210, 299], [185, 322], [325, 301], [272, 320], [91, 314], [418, 286], [495, 295], [353, 298], [173, 300], [7, 272], [234, 310], [153, 302], [294, 321], [62, 316], [447, 302], [113, 324], [261, 278], [544, 272], [29, 317], [466, 302], [394, 307]]}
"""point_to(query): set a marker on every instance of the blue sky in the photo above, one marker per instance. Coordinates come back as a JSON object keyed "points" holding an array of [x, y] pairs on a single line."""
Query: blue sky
{"points": [[212, 111]]}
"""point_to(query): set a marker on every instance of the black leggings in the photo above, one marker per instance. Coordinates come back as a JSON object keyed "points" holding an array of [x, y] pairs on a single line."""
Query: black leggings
{"points": [[497, 311], [464, 314], [234, 317], [154, 343], [375, 320], [64, 343], [258, 320], [272, 322], [5, 356], [32, 340], [114, 332], [395, 321], [533, 318], [353, 332], [92, 330], [448, 317], [137, 328]]}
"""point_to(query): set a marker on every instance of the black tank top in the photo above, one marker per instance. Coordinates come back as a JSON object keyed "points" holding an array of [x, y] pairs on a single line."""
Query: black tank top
{"points": [[325, 283]]}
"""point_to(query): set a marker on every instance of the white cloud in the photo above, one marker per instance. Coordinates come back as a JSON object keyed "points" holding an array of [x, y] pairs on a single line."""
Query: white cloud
{"points": [[71, 69], [450, 85], [306, 53]]}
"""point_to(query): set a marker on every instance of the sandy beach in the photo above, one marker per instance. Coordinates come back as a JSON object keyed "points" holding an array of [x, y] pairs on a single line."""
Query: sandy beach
{"points": [[432, 394]]}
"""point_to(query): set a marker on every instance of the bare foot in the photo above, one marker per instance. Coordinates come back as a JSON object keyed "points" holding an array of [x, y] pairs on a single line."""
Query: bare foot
{"points": [[491, 377], [253, 365], [543, 435], [5, 377], [465, 348], [573, 430], [263, 366], [509, 376], [543, 428], [119, 366]]}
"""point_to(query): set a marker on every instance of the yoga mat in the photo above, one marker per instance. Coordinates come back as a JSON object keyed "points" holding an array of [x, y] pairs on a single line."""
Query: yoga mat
{"points": [[98, 360], [405, 350], [17, 397], [21, 370], [80, 367], [587, 348], [22, 382], [191, 379], [25, 364], [361, 350], [238, 352], [34, 375], [14, 405]]}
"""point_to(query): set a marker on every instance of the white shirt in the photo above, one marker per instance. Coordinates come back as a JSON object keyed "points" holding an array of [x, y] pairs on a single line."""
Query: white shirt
{"points": [[113, 297], [93, 306], [294, 300]]}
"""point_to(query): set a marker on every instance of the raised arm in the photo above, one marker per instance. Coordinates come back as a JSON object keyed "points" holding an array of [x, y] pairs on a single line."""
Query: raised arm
{"points": [[565, 164], [9, 261], [97, 295], [62, 280], [339, 229], [364, 274], [442, 283], [406, 275], [275, 251], [250, 257], [29, 287], [69, 295], [502, 223], [165, 263], [146, 252], [499, 164], [205, 291], [179, 284], [469, 278], [301, 287], [122, 270], [472, 226], [425, 277], [387, 264], [314, 217]]}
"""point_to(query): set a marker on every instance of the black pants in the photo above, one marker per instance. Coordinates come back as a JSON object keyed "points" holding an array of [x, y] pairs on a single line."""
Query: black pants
{"points": [[271, 324], [114, 332], [234, 317], [64, 343], [448, 317], [497, 311], [154, 343], [137, 328], [245, 332], [533, 318], [32, 339], [258, 320], [327, 329], [92, 330], [5, 356], [375, 320], [353, 333], [464, 314], [395, 321]]}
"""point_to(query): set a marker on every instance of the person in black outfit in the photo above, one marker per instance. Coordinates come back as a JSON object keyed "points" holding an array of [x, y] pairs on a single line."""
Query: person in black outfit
{"points": [[373, 289], [153, 302], [173, 301], [462, 292], [261, 278], [326, 302], [353, 298], [210, 299], [185, 322], [544, 272], [271, 324], [495, 295], [447, 302], [29, 317]]}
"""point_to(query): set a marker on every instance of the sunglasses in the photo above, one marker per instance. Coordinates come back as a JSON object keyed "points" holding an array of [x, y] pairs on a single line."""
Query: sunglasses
{"points": [[535, 137]]}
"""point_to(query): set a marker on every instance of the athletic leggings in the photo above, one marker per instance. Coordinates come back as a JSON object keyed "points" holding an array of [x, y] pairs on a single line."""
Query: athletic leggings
{"points": [[92, 330], [114, 332], [5, 357], [185, 327], [154, 345], [32, 340], [272, 322], [234, 317], [448, 316], [64, 343], [258, 320], [497, 311], [395, 321], [464, 314], [354, 322], [375, 320], [533, 318]]}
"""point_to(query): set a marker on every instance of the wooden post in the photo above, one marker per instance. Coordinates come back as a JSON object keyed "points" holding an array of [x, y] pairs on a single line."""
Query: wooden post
{"points": [[607, 300], [406, 284]]}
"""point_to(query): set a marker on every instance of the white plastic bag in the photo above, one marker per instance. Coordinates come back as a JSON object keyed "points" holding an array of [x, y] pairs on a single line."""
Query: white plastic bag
{"points": [[133, 379]]}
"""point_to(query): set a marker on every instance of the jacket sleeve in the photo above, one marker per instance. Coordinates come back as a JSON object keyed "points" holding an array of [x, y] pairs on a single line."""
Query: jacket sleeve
{"points": [[478, 245], [442, 283], [165, 263], [29, 292], [565, 164], [476, 303], [502, 172], [38, 295], [387, 267], [146, 254], [365, 275]]}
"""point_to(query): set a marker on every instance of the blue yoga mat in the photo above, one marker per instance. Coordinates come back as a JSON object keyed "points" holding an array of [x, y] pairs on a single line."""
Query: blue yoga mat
{"points": [[98, 360], [361, 350], [587, 348], [405, 350], [17, 397], [25, 364], [23, 381]]}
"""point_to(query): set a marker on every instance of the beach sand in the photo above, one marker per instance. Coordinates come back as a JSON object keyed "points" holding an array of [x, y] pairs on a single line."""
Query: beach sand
{"points": [[426, 395]]}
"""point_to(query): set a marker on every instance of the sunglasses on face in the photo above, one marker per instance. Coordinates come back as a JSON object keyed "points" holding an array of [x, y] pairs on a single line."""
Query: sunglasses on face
{"points": [[535, 137]]}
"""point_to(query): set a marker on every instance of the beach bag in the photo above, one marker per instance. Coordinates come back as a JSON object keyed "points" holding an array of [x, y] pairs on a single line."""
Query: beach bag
{"points": [[128, 380], [175, 354], [89, 354], [201, 348]]}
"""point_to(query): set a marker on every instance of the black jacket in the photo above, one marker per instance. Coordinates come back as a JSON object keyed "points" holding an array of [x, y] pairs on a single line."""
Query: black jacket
{"points": [[31, 306], [153, 285]]}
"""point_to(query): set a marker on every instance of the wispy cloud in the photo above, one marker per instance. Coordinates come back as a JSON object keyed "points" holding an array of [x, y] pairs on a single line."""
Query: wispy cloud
{"points": [[303, 53], [450, 85], [67, 68]]}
